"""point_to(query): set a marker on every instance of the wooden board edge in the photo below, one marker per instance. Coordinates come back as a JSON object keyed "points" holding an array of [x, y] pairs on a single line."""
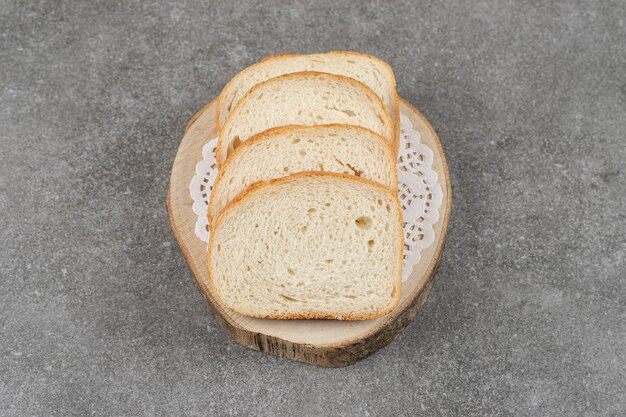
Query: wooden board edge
{"points": [[197, 114], [328, 355], [215, 308], [349, 351]]}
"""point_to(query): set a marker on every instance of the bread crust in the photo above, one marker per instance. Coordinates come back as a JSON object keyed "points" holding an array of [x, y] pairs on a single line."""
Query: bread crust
{"points": [[314, 315], [278, 57], [281, 129], [389, 133], [396, 105]]}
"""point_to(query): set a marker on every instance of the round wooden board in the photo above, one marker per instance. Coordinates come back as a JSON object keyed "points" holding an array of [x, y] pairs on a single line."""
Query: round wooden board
{"points": [[321, 342]]}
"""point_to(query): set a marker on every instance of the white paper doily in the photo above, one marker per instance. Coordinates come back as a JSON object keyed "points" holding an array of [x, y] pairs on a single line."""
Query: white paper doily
{"points": [[418, 190]]}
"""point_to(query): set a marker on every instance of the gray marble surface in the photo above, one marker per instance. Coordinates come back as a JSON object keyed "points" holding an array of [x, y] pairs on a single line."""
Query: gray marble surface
{"points": [[99, 314]]}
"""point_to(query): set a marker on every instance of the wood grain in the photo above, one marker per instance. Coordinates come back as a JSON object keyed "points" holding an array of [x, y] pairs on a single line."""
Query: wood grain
{"points": [[322, 342]]}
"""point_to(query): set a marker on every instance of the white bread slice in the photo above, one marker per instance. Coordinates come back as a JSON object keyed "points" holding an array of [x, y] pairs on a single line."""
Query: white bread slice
{"points": [[303, 98], [370, 70], [282, 151], [309, 246]]}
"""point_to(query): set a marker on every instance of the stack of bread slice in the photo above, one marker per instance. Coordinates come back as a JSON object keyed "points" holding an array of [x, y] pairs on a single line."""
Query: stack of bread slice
{"points": [[305, 220]]}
